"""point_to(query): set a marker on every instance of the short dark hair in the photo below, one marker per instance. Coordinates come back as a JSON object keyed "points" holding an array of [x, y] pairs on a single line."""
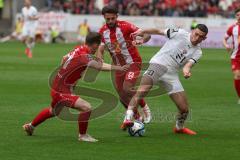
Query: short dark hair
{"points": [[237, 10], [93, 37], [109, 9], [203, 28]]}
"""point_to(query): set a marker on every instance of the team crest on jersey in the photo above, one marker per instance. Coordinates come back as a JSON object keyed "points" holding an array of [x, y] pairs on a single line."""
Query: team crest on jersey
{"points": [[117, 47], [130, 75]]}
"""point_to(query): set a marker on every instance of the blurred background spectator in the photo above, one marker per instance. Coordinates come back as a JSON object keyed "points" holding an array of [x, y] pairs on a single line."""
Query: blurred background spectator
{"points": [[180, 8], [83, 30]]}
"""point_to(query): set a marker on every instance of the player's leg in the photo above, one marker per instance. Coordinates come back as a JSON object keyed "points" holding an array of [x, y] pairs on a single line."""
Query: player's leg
{"points": [[57, 105], [43, 115], [85, 112], [25, 40], [118, 85], [236, 74], [30, 41], [124, 99], [235, 65], [180, 99], [145, 86], [129, 85]]}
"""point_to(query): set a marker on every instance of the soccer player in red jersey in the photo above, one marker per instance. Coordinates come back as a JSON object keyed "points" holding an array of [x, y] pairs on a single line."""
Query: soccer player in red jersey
{"points": [[234, 32], [122, 48], [73, 66]]}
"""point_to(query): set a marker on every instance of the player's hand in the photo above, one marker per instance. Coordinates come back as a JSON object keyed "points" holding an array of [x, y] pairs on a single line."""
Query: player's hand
{"points": [[186, 72], [138, 41], [229, 48], [64, 59], [125, 67]]}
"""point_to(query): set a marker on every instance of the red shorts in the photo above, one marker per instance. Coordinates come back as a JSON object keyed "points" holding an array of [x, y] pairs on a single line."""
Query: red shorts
{"points": [[65, 99], [235, 64], [130, 76]]}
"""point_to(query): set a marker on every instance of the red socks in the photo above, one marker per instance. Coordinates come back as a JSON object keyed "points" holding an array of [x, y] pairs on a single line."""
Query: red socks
{"points": [[142, 103], [124, 104], [46, 113], [83, 121], [41, 117], [237, 86]]}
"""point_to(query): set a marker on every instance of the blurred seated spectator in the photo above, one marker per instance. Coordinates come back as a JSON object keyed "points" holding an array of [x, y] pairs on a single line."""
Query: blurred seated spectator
{"points": [[179, 8]]}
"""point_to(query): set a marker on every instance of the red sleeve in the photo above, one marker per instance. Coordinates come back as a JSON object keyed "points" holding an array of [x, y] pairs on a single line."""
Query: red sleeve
{"points": [[230, 31], [131, 27]]}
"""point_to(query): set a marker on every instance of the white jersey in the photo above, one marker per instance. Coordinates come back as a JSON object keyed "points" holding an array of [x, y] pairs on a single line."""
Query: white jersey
{"points": [[178, 50], [29, 12]]}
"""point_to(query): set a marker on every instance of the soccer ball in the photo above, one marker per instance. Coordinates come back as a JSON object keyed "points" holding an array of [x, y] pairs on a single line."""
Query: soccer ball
{"points": [[137, 129]]}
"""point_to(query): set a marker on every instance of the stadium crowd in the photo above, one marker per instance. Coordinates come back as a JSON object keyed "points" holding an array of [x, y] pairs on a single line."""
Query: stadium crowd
{"points": [[189, 8]]}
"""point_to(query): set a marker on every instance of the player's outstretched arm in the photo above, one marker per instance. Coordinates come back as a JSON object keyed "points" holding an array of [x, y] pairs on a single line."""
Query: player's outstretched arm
{"points": [[146, 37], [150, 31], [187, 69], [100, 52], [106, 67], [139, 40]]}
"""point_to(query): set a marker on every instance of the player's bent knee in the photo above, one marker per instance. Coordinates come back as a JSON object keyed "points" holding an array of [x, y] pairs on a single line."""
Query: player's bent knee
{"points": [[86, 107], [56, 110], [236, 74]]}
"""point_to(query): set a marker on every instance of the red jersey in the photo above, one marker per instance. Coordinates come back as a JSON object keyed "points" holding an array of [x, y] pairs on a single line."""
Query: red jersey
{"points": [[74, 64], [234, 32], [119, 43]]}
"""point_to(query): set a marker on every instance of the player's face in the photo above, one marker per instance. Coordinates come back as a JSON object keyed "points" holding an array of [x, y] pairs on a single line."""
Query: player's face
{"points": [[93, 48], [111, 19], [197, 36], [237, 15]]}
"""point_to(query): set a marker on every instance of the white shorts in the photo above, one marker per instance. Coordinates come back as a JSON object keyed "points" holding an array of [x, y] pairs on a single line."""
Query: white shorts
{"points": [[166, 77], [29, 31]]}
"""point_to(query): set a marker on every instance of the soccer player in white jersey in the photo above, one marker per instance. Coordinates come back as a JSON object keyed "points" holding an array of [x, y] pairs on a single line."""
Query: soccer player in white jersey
{"points": [[181, 51], [234, 49], [29, 13]]}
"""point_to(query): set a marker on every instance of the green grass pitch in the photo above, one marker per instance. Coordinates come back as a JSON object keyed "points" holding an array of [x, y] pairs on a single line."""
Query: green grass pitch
{"points": [[24, 91]]}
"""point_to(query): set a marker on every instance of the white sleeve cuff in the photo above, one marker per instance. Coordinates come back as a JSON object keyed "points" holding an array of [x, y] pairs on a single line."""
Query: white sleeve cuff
{"points": [[165, 32], [193, 61]]}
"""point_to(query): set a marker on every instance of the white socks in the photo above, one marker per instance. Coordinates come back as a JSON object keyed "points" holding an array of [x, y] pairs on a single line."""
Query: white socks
{"points": [[181, 118], [30, 45], [129, 115]]}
